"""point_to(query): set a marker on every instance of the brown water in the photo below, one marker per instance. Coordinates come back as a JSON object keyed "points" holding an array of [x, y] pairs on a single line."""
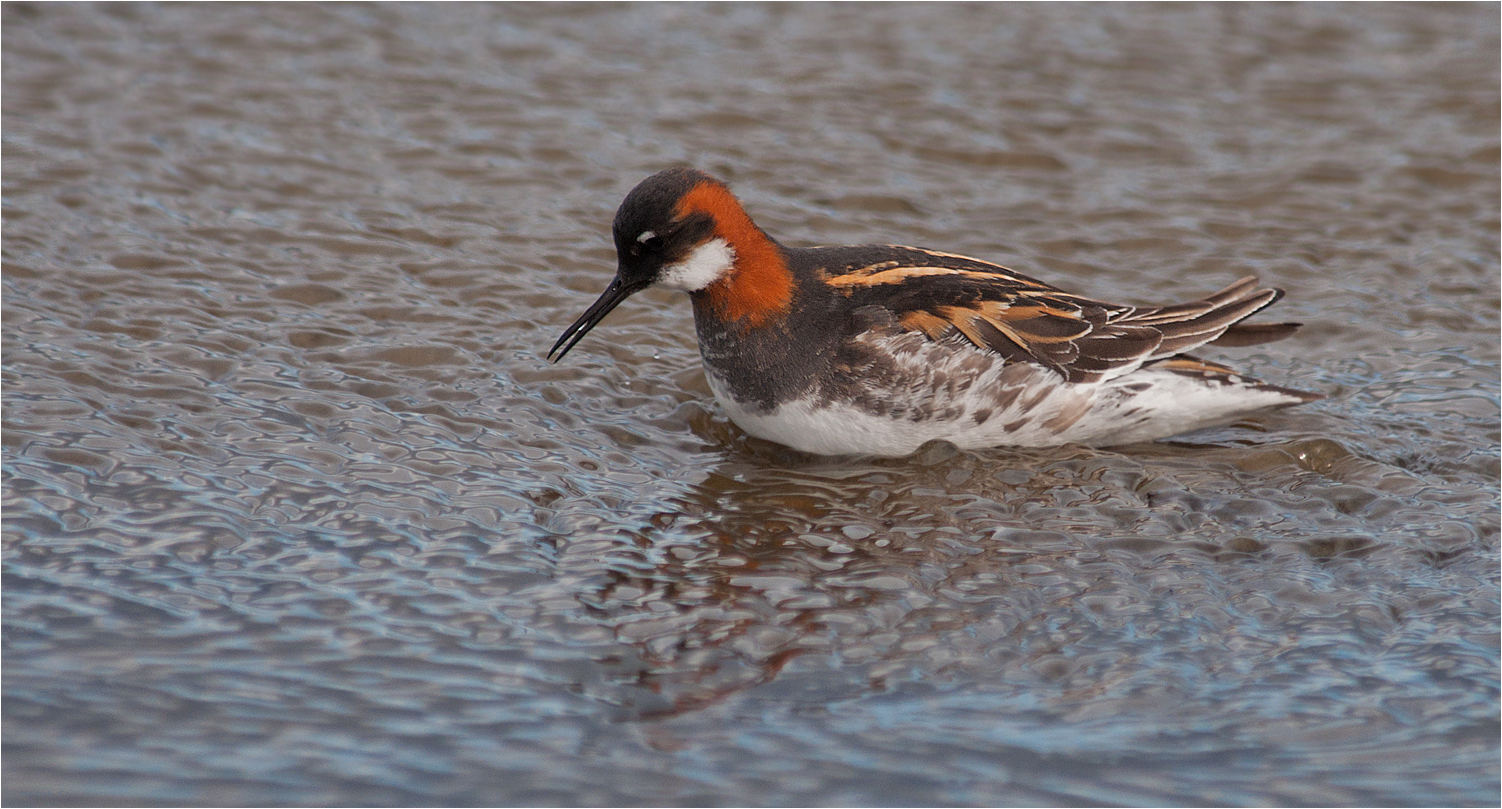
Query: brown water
{"points": [[296, 513]]}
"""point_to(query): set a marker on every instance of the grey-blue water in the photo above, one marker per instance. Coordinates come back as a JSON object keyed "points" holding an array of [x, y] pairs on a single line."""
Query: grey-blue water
{"points": [[295, 512]]}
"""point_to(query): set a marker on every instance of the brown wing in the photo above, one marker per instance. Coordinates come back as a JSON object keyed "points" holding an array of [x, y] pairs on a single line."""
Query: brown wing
{"points": [[941, 294]]}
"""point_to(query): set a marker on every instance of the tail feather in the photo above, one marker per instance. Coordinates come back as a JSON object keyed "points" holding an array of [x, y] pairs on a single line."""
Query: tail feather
{"points": [[1250, 334], [1203, 369], [1184, 311], [1209, 320]]}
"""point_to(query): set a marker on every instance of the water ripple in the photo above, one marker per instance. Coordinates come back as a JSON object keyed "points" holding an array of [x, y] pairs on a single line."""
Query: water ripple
{"points": [[296, 512]]}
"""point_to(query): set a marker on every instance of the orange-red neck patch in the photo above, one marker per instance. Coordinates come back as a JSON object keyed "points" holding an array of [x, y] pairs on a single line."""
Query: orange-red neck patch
{"points": [[759, 286]]}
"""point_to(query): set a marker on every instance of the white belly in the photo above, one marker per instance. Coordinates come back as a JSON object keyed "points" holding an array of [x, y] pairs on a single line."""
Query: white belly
{"points": [[1040, 410]]}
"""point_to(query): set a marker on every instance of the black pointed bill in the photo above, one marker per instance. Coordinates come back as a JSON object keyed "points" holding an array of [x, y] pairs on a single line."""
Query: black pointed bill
{"points": [[609, 299]]}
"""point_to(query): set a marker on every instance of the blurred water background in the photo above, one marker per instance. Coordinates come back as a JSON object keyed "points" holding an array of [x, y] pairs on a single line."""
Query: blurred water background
{"points": [[295, 512]]}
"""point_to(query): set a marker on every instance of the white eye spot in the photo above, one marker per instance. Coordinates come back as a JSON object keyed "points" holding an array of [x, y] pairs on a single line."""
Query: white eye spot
{"points": [[707, 264], [645, 235]]}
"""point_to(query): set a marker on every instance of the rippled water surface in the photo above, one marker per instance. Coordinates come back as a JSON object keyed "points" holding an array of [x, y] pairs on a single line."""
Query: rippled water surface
{"points": [[296, 513]]}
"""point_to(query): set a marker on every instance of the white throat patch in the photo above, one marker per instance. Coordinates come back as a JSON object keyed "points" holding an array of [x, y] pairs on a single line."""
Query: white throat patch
{"points": [[707, 264]]}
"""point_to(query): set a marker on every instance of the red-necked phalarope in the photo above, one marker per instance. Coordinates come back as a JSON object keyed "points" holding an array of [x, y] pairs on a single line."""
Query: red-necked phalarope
{"points": [[879, 349]]}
